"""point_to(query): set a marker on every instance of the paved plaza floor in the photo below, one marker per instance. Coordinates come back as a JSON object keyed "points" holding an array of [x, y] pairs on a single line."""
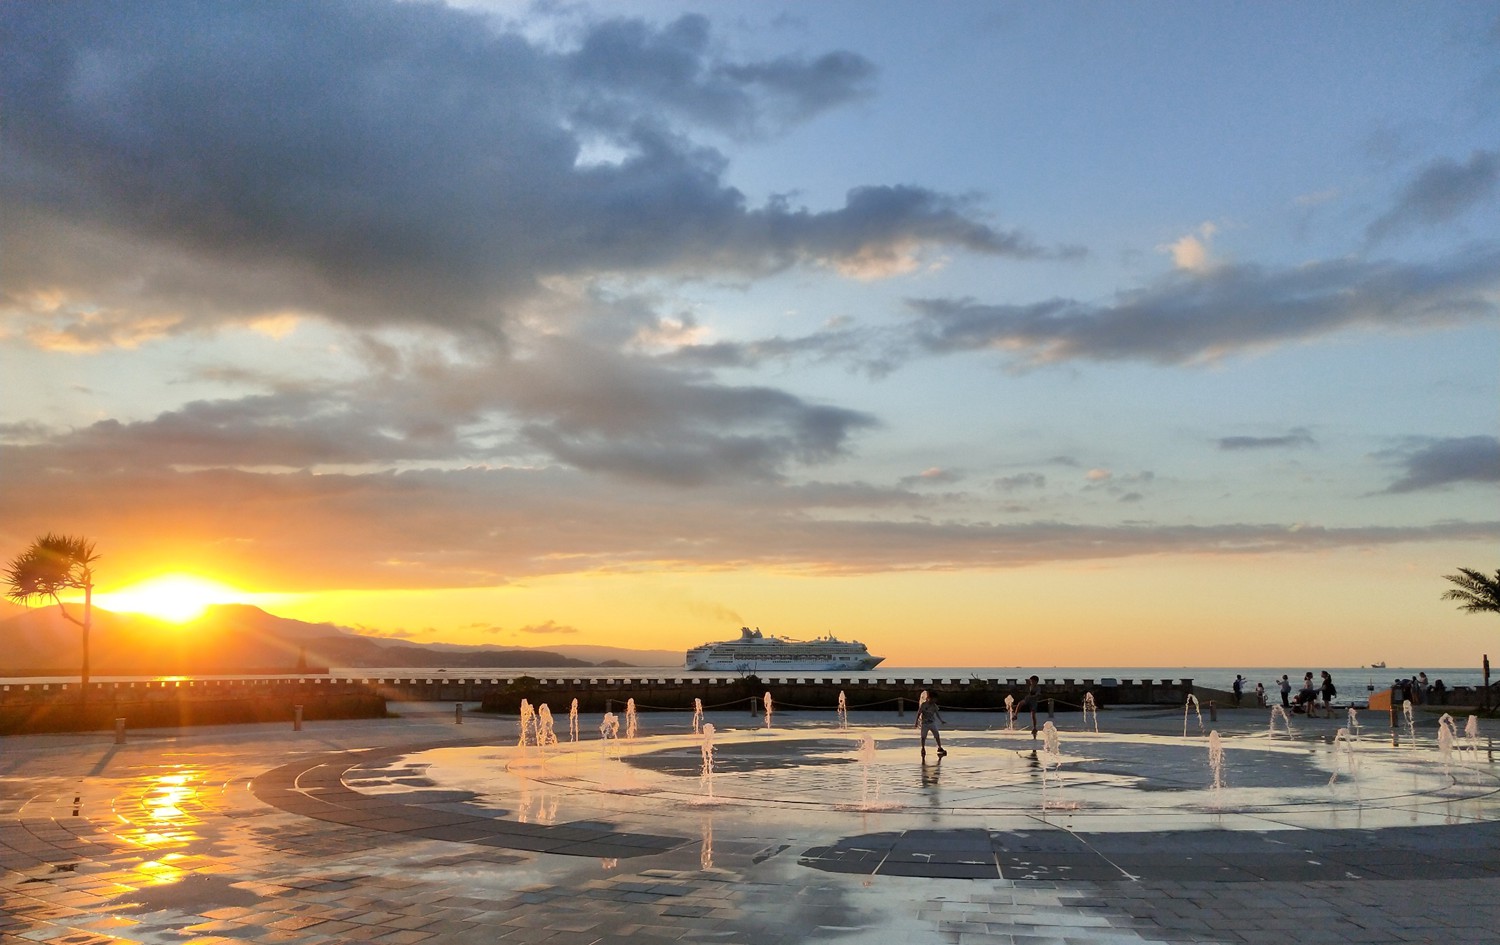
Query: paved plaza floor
{"points": [[1154, 828]]}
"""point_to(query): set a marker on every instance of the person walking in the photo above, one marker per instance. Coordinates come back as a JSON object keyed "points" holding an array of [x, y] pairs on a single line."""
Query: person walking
{"points": [[1329, 691], [1030, 700], [1239, 688], [928, 720]]}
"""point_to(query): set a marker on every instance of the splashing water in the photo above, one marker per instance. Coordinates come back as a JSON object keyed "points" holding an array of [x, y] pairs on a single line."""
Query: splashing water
{"points": [[706, 850], [697, 716], [1192, 703], [1411, 722], [573, 721], [1089, 708], [1354, 722], [1010, 713], [528, 726], [1343, 748], [706, 777], [1051, 763], [609, 731], [843, 713], [1447, 735], [1286, 721], [767, 703], [545, 735], [1471, 733], [869, 786], [630, 723], [1216, 761]]}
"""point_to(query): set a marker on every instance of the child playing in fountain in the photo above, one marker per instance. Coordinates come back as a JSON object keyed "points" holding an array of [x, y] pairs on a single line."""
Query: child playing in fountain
{"points": [[928, 719]]}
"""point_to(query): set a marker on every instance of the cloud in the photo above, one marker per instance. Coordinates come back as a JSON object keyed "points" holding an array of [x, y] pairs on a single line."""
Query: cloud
{"points": [[172, 166], [1191, 251], [549, 628], [1021, 481], [488, 526], [1295, 439], [932, 476], [1443, 191], [1197, 317], [1448, 462]]}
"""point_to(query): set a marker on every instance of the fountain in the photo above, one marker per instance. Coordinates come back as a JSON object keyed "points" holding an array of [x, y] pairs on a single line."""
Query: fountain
{"points": [[1010, 713], [545, 735], [630, 723], [1471, 734], [1051, 763], [1192, 703], [843, 713], [697, 716], [1089, 708], [1447, 735], [573, 721], [869, 788], [1286, 721], [1343, 747], [528, 726], [706, 778], [1216, 763], [767, 702], [1411, 722], [1354, 721], [609, 732]]}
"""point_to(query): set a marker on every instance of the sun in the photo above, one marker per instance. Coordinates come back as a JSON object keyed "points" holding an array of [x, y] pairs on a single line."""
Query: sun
{"points": [[175, 598]]}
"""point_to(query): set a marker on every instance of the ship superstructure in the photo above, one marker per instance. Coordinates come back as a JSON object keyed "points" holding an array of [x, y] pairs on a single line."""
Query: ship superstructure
{"points": [[755, 652]]}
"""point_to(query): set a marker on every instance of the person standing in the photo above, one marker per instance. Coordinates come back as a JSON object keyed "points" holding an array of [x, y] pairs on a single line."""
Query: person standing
{"points": [[1030, 700], [1286, 692], [1239, 688], [1329, 691], [1260, 695], [928, 720]]}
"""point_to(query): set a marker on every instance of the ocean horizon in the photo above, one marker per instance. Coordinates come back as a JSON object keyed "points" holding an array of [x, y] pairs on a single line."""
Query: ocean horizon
{"points": [[1350, 680]]}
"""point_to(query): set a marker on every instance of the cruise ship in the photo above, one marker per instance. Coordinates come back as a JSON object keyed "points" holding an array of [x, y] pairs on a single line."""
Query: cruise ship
{"points": [[753, 652]]}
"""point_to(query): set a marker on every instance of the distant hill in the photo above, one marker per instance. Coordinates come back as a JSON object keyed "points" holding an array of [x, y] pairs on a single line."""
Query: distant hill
{"points": [[239, 638]]}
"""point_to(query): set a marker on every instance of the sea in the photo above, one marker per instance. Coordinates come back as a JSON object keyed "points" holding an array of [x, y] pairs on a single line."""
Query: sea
{"points": [[1349, 679]]}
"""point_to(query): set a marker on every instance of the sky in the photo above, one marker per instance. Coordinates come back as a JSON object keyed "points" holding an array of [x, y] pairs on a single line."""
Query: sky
{"points": [[988, 334]]}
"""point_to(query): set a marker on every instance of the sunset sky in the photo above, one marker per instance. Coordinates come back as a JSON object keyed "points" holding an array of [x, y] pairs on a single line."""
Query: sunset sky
{"points": [[986, 333]]}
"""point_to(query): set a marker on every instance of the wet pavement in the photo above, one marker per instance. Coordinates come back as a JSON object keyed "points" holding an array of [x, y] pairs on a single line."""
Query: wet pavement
{"points": [[417, 829]]}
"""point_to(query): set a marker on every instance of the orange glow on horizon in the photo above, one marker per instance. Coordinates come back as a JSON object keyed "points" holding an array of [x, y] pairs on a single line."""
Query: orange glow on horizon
{"points": [[175, 598]]}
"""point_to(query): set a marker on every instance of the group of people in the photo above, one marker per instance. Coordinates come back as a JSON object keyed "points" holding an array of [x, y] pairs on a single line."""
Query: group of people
{"points": [[1306, 699], [1416, 690]]}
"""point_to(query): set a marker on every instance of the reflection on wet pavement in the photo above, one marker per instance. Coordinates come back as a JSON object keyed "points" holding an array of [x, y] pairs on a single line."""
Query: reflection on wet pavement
{"points": [[392, 831]]}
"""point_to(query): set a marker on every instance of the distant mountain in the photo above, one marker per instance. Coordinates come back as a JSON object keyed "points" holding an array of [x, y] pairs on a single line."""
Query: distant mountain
{"points": [[238, 638]]}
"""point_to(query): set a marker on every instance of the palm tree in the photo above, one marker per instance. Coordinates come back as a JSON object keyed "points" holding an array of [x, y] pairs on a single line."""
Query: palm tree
{"points": [[54, 564], [1478, 592]]}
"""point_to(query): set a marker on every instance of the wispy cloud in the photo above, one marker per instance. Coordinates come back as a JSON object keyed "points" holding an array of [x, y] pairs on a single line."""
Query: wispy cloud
{"points": [[1443, 463], [1194, 317], [1292, 440], [1443, 191]]}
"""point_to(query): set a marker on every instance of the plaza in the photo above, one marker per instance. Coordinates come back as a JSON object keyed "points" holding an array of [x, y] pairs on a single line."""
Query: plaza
{"points": [[438, 826]]}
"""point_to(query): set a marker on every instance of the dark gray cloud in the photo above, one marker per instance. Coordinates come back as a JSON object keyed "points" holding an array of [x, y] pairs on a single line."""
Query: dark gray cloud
{"points": [[179, 163], [1447, 462], [1444, 190], [1295, 439], [1194, 317], [568, 403], [1021, 481]]}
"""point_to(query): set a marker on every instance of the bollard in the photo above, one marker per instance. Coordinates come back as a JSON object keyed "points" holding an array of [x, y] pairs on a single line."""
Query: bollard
{"points": [[1049, 708], [901, 706], [458, 713], [119, 731], [1213, 711], [752, 707], [296, 718], [609, 706]]}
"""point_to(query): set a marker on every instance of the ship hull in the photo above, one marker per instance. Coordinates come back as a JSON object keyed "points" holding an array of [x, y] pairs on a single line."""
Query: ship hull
{"points": [[753, 653]]}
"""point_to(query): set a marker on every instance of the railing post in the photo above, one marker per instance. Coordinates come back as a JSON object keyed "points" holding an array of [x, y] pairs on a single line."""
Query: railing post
{"points": [[296, 718], [119, 731], [458, 713]]}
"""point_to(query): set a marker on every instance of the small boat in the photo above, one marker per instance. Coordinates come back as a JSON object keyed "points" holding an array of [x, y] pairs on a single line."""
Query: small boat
{"points": [[754, 652], [1380, 665]]}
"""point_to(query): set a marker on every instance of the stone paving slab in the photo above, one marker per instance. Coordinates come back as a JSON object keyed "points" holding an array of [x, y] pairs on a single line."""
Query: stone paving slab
{"points": [[238, 835]]}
